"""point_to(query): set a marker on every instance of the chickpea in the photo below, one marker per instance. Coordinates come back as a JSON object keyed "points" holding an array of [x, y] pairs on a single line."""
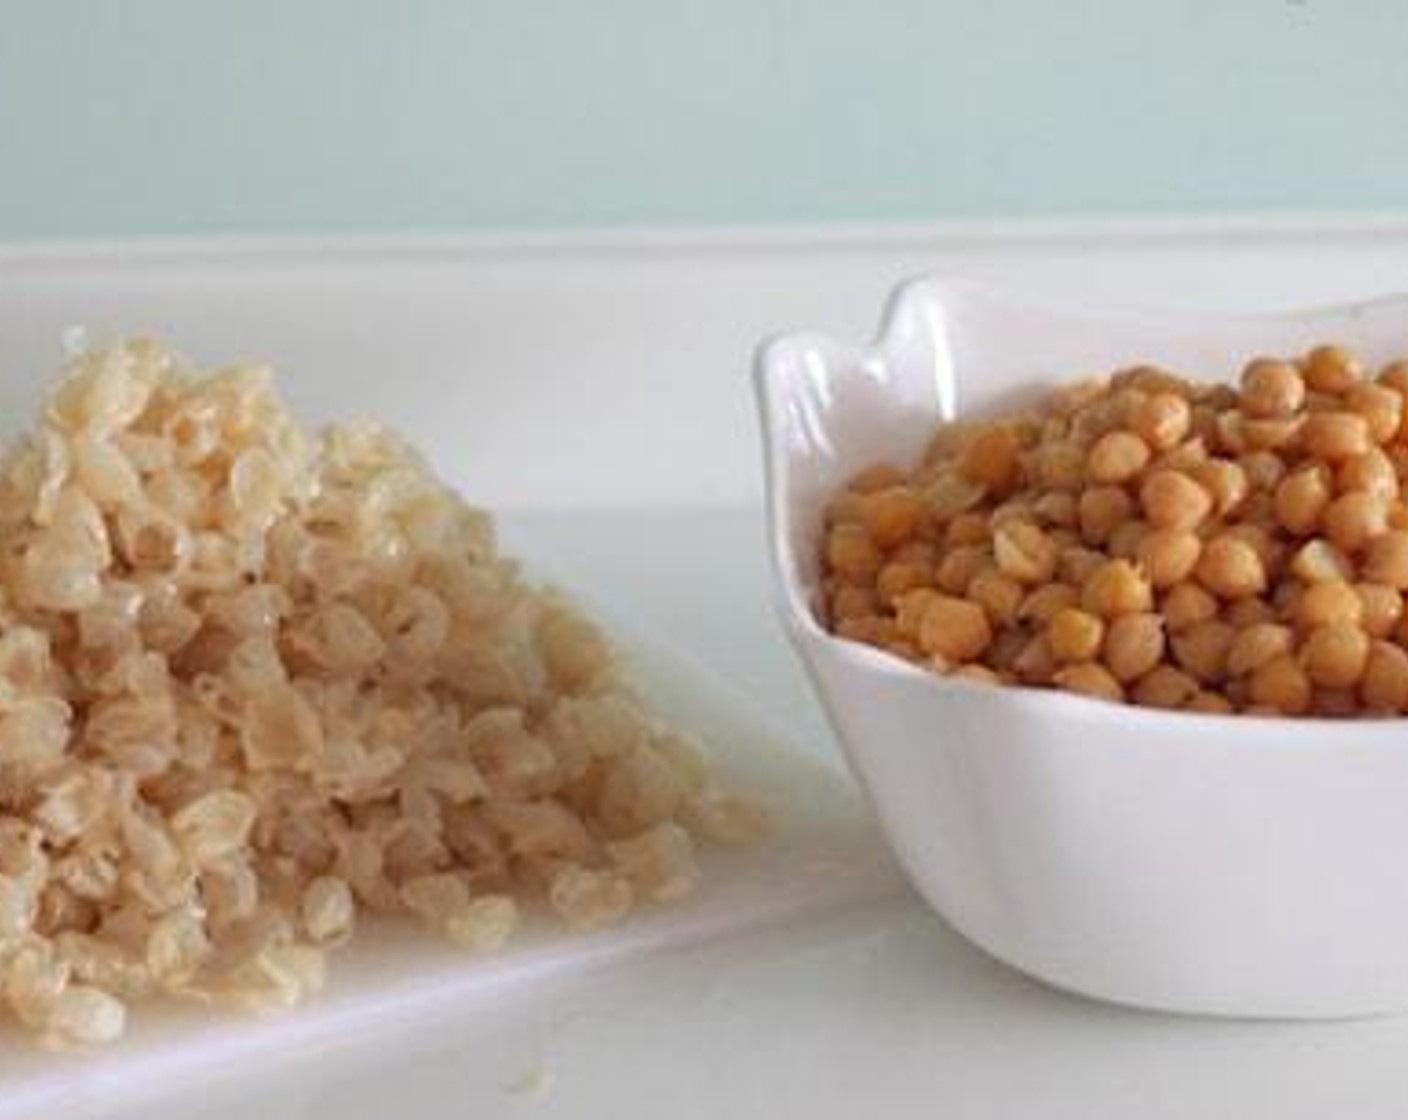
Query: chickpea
{"points": [[992, 459], [1248, 612], [1382, 608], [1057, 509], [900, 576], [1230, 568], [1386, 560], [1264, 469], [954, 629], [1352, 520], [1036, 664], [1395, 376], [1162, 420], [1116, 588], [1384, 686], [1089, 679], [851, 553], [1334, 702], [1201, 650], [968, 528], [851, 601], [1000, 596], [1225, 481], [1372, 472], [1255, 645], [1332, 369], [1271, 388], [1074, 635], [893, 515], [1212, 703], [1281, 685], [1318, 561], [1173, 500], [1025, 553], [958, 568], [1381, 407], [1060, 466], [1301, 497], [1134, 644], [910, 609], [1042, 604], [1335, 436], [1165, 687], [1117, 457], [976, 674], [1077, 564], [1331, 602], [1334, 655], [1186, 604], [1124, 542], [949, 494], [1102, 509], [1169, 556], [871, 630]]}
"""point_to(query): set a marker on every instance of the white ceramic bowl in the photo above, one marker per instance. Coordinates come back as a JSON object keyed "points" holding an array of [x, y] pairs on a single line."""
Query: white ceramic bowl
{"points": [[1207, 864]]}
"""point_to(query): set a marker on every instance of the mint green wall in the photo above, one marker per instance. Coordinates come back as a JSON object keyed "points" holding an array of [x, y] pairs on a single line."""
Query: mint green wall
{"points": [[169, 116]]}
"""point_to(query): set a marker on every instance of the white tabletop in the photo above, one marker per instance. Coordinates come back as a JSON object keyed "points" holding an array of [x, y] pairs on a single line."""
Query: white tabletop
{"points": [[883, 1011]]}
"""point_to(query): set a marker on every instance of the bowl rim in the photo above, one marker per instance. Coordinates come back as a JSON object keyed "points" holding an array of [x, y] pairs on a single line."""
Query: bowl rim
{"points": [[914, 296]]}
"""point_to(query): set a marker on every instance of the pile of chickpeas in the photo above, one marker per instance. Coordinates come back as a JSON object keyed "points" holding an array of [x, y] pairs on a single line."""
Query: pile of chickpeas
{"points": [[1151, 539]]}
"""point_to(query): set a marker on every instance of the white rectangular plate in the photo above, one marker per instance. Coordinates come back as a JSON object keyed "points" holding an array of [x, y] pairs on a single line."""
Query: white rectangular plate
{"points": [[823, 855]]}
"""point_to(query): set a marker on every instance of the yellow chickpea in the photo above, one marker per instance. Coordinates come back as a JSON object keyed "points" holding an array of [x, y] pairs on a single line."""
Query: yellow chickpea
{"points": [[1331, 602], [1117, 457], [1186, 604], [878, 476], [851, 553], [1036, 664], [1318, 561], [1381, 407], [1271, 388], [1124, 542], [1382, 608], [1248, 612], [1134, 644], [909, 610], [1395, 376], [1089, 679], [1162, 420], [957, 569], [1025, 553], [893, 515], [992, 459], [1335, 436], [901, 576], [1332, 369], [1201, 650], [1334, 655], [1043, 603], [1117, 587], [1169, 556], [1000, 596], [967, 529], [1353, 520], [1384, 686], [1264, 469], [1102, 509], [954, 629], [1173, 500], [1211, 703], [1386, 560], [1372, 472], [1165, 687], [1058, 508], [1281, 685], [1255, 645], [1225, 481], [1230, 568], [851, 601], [1074, 635]]}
